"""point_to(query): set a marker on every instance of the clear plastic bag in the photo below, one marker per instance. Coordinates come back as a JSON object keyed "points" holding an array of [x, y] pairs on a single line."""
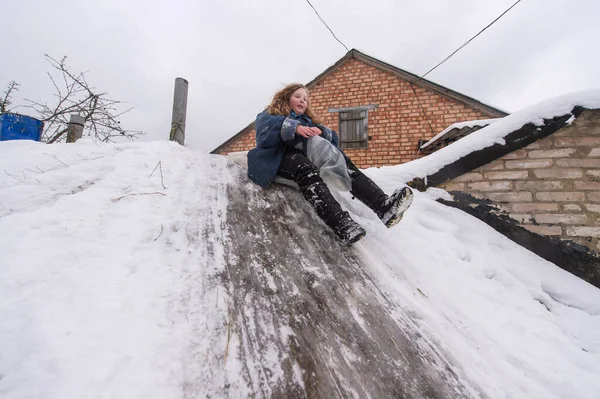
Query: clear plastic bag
{"points": [[331, 163]]}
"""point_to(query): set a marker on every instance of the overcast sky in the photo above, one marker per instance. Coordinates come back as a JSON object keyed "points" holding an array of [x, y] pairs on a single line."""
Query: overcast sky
{"points": [[236, 54]]}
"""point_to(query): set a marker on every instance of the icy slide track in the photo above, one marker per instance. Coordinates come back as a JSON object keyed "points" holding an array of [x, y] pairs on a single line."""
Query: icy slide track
{"points": [[308, 303], [192, 282]]}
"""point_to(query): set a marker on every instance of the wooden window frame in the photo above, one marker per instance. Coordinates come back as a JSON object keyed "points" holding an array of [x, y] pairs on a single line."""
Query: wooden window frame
{"points": [[359, 114]]}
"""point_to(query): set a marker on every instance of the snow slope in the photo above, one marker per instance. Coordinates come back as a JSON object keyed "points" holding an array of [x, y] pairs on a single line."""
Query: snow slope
{"points": [[117, 282]]}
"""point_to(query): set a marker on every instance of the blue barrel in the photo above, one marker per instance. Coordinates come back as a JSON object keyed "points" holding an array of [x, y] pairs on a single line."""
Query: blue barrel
{"points": [[20, 127]]}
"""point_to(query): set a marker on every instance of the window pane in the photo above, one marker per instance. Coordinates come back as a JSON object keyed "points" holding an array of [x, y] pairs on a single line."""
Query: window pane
{"points": [[353, 115], [353, 129], [344, 130]]}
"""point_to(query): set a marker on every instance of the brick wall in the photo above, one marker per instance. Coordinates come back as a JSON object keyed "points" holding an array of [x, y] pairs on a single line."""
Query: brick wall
{"points": [[245, 142], [551, 187], [395, 127]]}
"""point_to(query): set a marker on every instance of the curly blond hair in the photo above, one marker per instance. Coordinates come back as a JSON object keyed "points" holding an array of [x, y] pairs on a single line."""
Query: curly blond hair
{"points": [[280, 105]]}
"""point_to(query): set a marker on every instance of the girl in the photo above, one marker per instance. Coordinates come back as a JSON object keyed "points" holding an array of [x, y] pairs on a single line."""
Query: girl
{"points": [[282, 132]]}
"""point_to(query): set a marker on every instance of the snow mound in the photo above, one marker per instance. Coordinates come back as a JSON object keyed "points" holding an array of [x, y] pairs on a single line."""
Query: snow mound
{"points": [[117, 265]]}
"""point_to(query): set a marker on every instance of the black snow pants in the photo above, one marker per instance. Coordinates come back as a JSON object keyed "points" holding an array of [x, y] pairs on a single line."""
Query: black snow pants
{"points": [[297, 167]]}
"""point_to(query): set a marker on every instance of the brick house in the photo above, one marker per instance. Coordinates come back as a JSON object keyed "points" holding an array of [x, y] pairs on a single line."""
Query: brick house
{"points": [[541, 188], [381, 113]]}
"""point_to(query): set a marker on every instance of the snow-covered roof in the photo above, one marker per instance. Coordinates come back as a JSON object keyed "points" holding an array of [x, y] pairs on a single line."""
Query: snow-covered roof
{"points": [[494, 134], [468, 127]]}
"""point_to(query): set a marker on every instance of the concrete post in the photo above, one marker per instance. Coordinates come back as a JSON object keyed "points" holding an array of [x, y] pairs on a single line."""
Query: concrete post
{"points": [[75, 128], [179, 111]]}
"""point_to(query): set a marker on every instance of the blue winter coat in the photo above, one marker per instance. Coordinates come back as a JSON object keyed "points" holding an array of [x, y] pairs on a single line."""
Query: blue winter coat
{"points": [[273, 134]]}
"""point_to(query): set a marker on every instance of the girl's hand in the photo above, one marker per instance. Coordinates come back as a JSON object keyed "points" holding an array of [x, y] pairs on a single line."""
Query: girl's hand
{"points": [[304, 131], [307, 132], [316, 131]]}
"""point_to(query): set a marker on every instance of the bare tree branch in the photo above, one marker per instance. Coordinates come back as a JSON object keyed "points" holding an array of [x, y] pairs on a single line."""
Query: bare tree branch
{"points": [[5, 102], [75, 96], [57, 136]]}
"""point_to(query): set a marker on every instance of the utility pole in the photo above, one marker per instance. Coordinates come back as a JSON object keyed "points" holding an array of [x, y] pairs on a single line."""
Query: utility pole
{"points": [[179, 111], [75, 128]]}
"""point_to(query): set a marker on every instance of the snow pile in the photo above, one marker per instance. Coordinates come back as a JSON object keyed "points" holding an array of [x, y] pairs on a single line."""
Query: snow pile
{"points": [[460, 125], [492, 134], [110, 257], [521, 326], [98, 297]]}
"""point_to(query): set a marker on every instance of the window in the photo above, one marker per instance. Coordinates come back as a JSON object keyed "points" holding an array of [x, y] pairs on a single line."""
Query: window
{"points": [[353, 130], [353, 127]]}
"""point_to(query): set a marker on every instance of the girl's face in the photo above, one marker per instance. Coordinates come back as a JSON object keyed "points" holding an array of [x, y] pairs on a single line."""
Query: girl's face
{"points": [[299, 101]]}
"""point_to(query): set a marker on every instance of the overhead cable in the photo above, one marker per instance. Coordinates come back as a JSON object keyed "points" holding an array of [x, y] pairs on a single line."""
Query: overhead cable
{"points": [[450, 56], [470, 40], [327, 26]]}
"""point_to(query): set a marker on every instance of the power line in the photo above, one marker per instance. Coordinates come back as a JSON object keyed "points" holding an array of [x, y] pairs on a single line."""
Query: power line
{"points": [[450, 56], [470, 40], [432, 69], [327, 26], [412, 86]]}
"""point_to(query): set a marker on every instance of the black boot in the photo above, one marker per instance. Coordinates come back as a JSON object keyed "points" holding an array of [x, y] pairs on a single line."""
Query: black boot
{"points": [[388, 209], [398, 202], [345, 227], [317, 194], [369, 194]]}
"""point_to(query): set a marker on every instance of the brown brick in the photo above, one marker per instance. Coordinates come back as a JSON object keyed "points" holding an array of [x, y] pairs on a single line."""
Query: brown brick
{"points": [[522, 196], [545, 230], [490, 186], [586, 185], [538, 185], [565, 132], [510, 175], [577, 142], [572, 207], [578, 163], [546, 144], [535, 207], [561, 196], [595, 152], [593, 196], [583, 231], [562, 153], [556, 218], [558, 173], [469, 177], [593, 173], [522, 218], [516, 155], [592, 207], [453, 186], [529, 164], [496, 165]]}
